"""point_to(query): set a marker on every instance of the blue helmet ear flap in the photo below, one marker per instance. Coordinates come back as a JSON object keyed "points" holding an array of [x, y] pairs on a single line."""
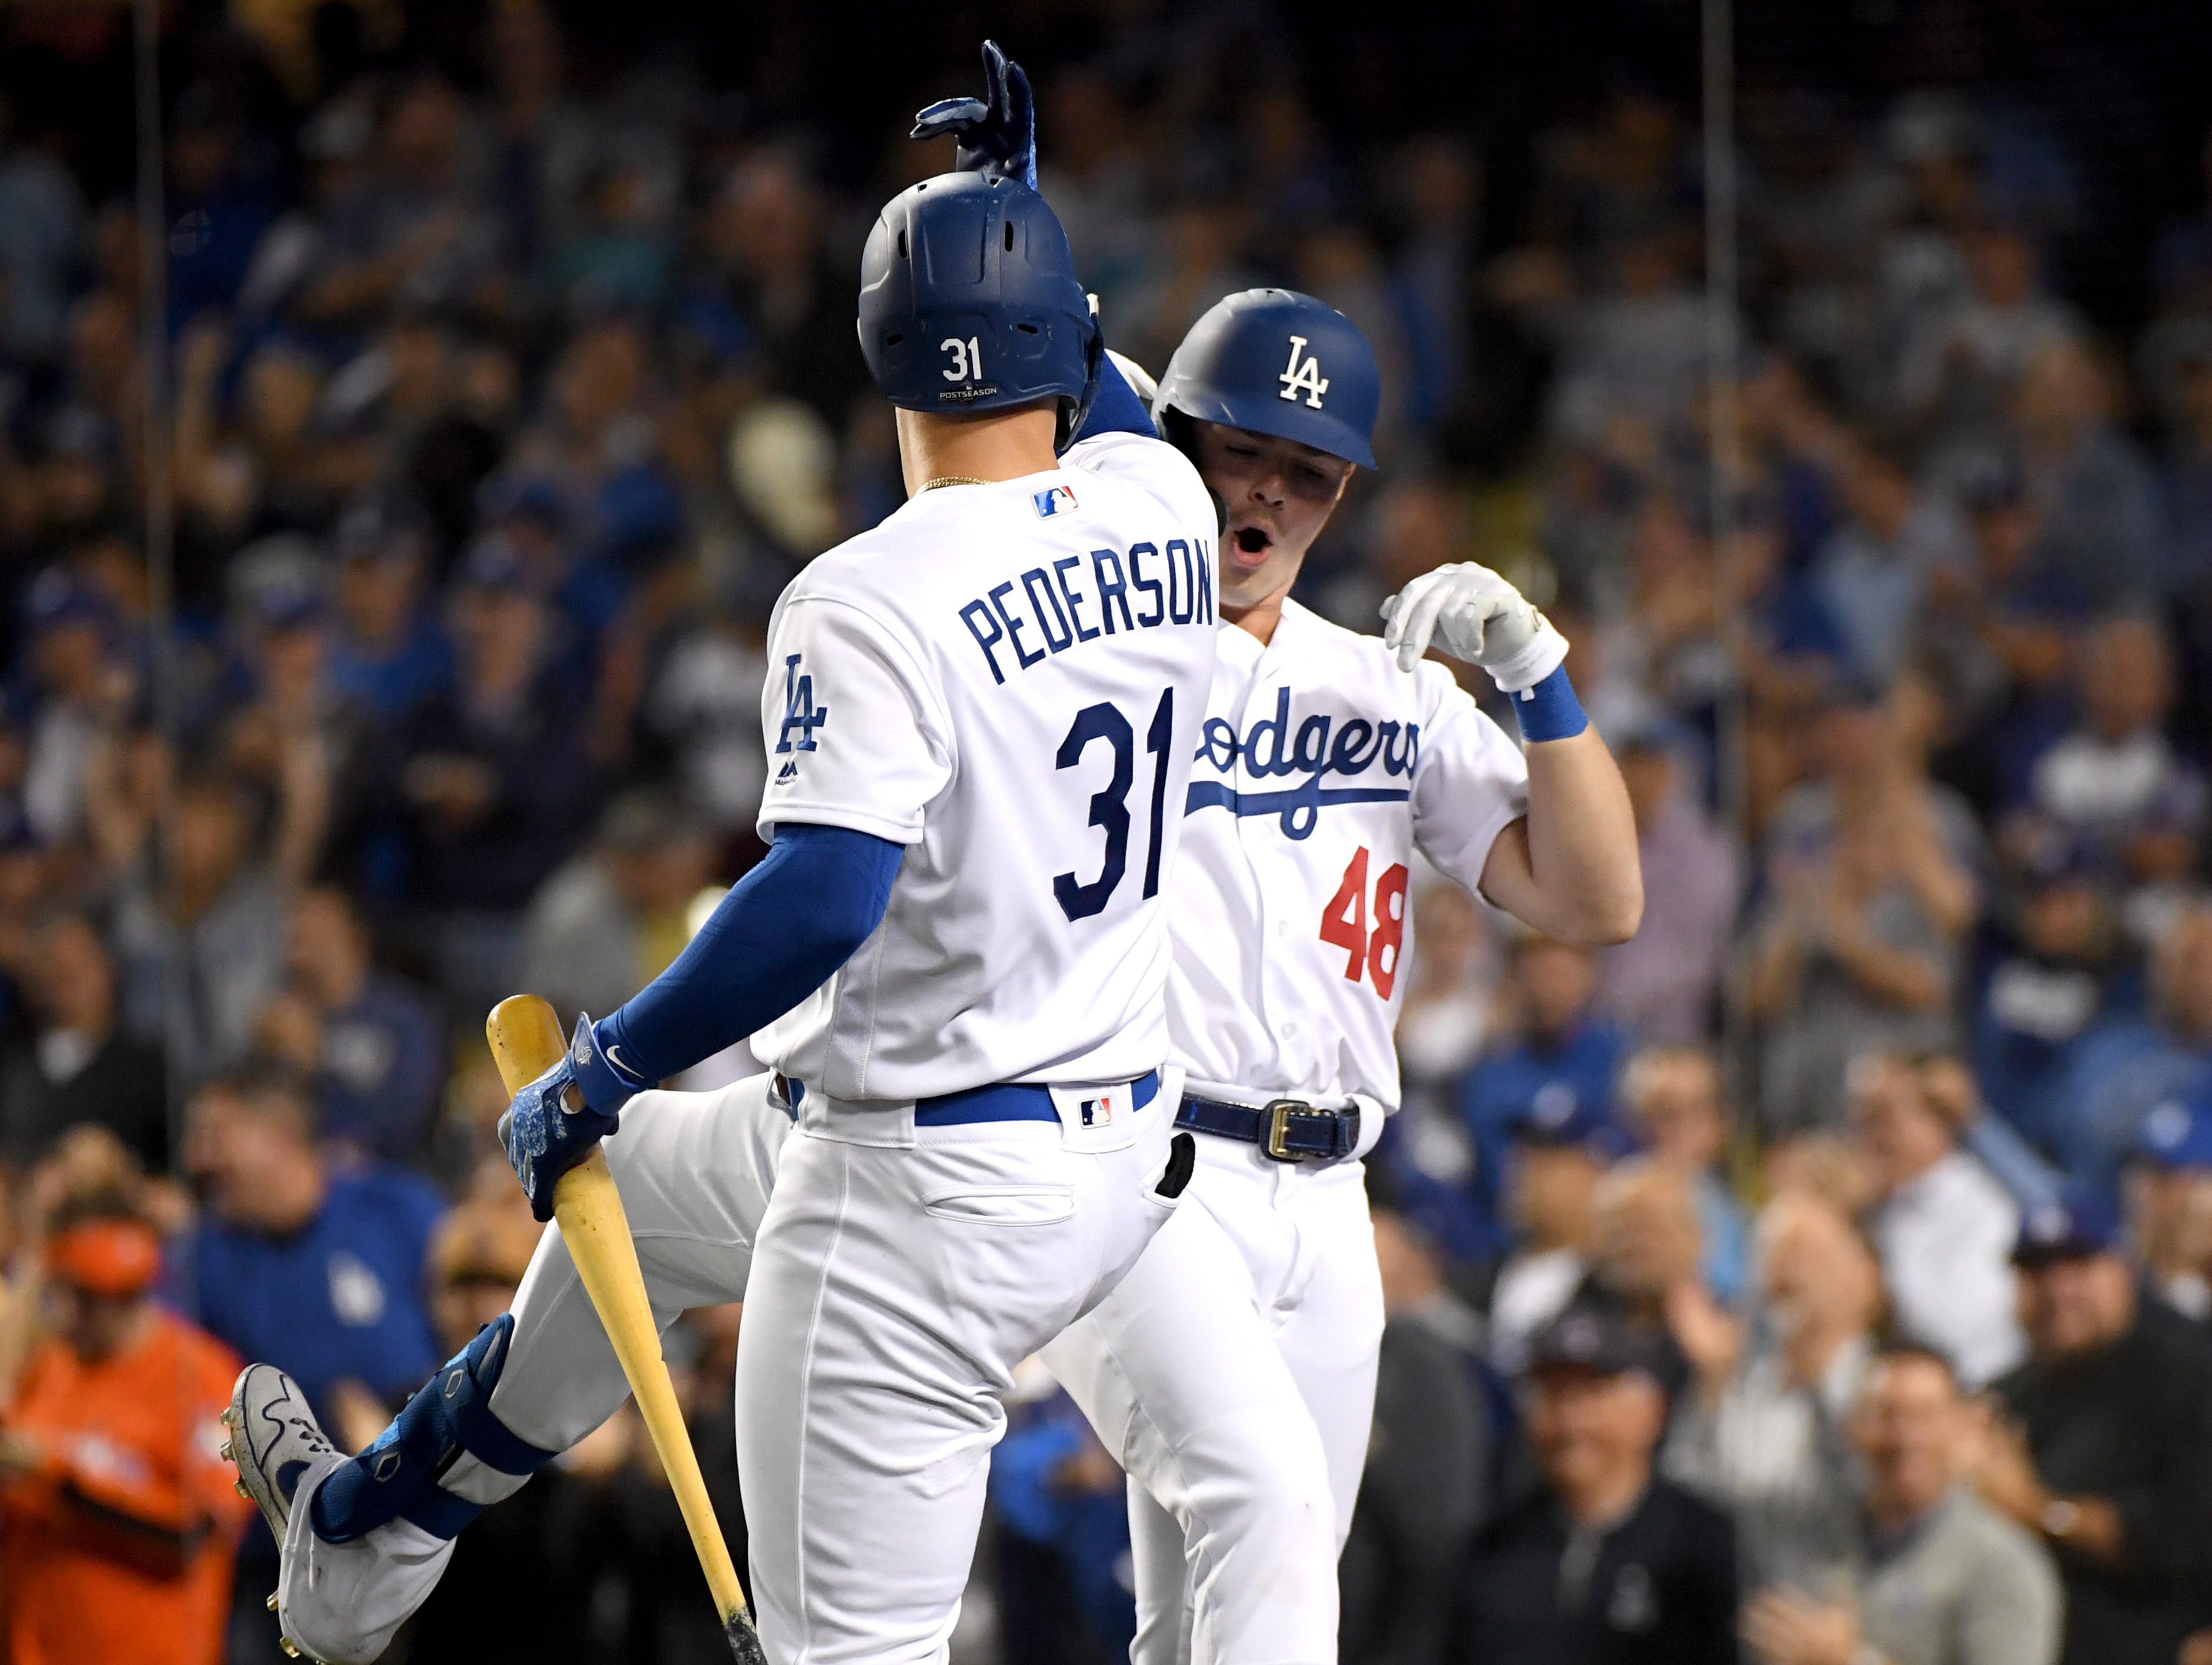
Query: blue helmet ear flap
{"points": [[1094, 360], [1179, 430]]}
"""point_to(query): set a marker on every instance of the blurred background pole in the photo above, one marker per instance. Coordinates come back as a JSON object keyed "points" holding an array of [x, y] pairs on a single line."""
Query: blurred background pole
{"points": [[160, 529], [1725, 441]]}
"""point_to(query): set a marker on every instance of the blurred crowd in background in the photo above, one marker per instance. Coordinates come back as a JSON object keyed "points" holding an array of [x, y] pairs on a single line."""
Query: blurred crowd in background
{"points": [[1829, 1269]]}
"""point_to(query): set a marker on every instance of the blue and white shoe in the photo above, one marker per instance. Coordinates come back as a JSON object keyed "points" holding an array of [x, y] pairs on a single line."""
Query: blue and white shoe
{"points": [[275, 1440], [275, 1443]]}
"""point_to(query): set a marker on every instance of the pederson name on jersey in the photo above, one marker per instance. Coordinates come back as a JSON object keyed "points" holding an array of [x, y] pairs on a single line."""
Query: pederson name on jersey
{"points": [[1049, 609]]}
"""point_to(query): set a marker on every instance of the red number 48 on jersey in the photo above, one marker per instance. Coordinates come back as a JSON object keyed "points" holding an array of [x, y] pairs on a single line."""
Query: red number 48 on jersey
{"points": [[1343, 922]]}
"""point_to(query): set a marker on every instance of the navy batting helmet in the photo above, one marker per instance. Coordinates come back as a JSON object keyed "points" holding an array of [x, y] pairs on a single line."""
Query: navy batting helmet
{"points": [[1276, 362], [968, 301]]}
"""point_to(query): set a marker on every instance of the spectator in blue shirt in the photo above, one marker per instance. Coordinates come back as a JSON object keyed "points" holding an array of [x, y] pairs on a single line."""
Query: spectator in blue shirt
{"points": [[2170, 1204], [2127, 1065], [1875, 573], [532, 520], [1562, 1051], [216, 212], [1672, 1097], [488, 780], [320, 1271], [2115, 784], [380, 1050], [2056, 970], [388, 653]]}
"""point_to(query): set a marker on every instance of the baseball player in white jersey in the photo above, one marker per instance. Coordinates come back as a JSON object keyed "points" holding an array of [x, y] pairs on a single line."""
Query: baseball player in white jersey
{"points": [[1233, 1371], [980, 723]]}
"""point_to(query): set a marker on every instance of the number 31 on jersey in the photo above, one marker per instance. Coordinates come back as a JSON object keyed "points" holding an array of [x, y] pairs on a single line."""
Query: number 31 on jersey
{"points": [[1343, 922], [1109, 807]]}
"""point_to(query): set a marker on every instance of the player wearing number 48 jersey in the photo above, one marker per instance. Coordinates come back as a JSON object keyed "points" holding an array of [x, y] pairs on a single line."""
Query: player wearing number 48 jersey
{"points": [[1233, 1371], [980, 723]]}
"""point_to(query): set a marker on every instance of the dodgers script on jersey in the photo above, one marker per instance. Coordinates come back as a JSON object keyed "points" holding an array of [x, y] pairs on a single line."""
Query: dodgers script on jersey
{"points": [[1009, 679], [1320, 767]]}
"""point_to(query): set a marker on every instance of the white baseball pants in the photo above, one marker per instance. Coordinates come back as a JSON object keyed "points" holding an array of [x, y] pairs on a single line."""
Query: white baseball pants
{"points": [[895, 1288], [1232, 1372], [890, 1288], [695, 1171]]}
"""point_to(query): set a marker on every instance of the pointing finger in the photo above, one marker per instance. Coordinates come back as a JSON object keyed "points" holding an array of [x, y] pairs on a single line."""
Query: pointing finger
{"points": [[1398, 609], [1413, 640]]}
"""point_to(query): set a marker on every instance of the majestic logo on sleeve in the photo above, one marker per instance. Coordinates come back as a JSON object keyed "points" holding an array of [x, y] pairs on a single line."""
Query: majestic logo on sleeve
{"points": [[1303, 375], [800, 713]]}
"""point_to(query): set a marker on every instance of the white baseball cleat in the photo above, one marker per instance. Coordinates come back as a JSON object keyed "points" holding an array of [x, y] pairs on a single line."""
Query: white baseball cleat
{"points": [[274, 1443], [275, 1440]]}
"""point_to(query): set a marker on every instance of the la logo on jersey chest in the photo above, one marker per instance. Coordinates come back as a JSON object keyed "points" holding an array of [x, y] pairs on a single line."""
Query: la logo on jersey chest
{"points": [[1303, 375]]}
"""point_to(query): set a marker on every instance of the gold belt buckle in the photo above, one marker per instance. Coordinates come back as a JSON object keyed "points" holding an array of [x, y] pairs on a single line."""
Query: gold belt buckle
{"points": [[1279, 1114]]}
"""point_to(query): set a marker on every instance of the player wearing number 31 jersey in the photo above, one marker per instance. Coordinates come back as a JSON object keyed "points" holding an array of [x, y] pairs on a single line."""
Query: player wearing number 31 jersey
{"points": [[980, 720], [1035, 640]]}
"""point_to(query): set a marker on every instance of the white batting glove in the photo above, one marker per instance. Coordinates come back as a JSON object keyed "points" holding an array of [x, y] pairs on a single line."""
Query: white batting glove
{"points": [[1474, 615]]}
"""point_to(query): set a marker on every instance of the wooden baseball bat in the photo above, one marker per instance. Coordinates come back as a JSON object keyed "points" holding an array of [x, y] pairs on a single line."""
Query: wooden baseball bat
{"points": [[526, 1041]]}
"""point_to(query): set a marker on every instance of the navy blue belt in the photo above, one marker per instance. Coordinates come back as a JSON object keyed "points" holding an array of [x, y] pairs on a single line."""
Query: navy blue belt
{"points": [[1288, 1130], [1003, 1101]]}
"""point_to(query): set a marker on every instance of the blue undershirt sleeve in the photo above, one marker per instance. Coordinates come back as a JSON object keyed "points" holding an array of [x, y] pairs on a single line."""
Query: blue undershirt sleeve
{"points": [[775, 938], [1115, 408]]}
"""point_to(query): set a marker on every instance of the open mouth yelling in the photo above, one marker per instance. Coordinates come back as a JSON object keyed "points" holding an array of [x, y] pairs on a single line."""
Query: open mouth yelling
{"points": [[1249, 546]]}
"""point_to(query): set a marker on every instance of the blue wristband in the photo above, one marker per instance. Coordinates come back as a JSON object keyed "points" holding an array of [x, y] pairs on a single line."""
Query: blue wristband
{"points": [[1549, 711], [606, 1085]]}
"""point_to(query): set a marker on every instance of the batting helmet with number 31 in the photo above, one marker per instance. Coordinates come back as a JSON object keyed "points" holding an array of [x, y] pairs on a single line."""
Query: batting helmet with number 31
{"points": [[968, 301]]}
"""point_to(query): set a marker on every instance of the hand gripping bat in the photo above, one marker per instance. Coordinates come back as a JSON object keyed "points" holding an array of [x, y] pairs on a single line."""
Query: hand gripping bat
{"points": [[526, 1041]]}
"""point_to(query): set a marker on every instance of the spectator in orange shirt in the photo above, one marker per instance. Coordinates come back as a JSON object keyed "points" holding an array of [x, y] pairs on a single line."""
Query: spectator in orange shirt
{"points": [[118, 1519]]}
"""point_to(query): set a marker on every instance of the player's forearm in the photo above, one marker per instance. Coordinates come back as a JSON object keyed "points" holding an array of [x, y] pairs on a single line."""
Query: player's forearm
{"points": [[1583, 882], [776, 937]]}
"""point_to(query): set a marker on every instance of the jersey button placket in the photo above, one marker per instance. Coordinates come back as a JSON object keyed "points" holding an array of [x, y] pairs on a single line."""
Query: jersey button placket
{"points": [[1256, 834], [1277, 868]]}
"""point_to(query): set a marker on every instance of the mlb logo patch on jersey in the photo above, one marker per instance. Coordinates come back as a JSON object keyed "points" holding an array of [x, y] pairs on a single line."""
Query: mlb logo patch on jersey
{"points": [[1054, 500], [1099, 1112]]}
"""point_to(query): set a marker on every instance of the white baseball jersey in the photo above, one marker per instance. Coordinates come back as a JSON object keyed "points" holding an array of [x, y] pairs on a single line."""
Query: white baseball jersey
{"points": [[1008, 680], [1322, 765]]}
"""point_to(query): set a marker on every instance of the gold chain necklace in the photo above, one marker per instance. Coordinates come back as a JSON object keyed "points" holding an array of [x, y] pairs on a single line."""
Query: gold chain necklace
{"points": [[951, 480]]}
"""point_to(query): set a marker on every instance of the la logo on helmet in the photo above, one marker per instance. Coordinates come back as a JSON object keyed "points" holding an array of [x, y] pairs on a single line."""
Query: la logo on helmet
{"points": [[1303, 375]]}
